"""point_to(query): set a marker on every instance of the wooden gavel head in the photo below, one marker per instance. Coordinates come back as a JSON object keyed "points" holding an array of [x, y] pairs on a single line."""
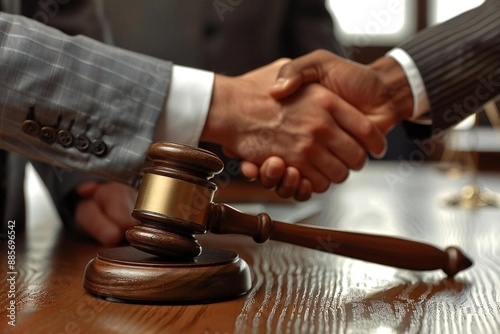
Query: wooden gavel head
{"points": [[174, 200]]}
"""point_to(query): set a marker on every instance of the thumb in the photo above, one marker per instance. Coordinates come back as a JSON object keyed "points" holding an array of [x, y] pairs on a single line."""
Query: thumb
{"points": [[87, 189], [305, 69], [288, 81]]}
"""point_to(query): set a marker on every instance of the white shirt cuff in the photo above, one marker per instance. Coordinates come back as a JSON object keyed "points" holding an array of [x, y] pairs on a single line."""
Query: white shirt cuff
{"points": [[186, 110], [420, 99]]}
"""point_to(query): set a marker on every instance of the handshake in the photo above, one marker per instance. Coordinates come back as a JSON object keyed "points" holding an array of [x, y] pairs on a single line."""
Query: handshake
{"points": [[300, 125]]}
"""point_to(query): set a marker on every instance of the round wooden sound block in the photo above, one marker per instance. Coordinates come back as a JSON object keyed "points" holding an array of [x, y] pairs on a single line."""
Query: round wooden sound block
{"points": [[128, 274]]}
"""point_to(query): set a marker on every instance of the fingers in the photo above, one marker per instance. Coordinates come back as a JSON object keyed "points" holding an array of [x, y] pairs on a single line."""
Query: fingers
{"points": [[117, 201], [104, 212], [90, 218], [334, 138], [292, 185], [272, 171], [331, 170], [305, 190], [86, 189], [356, 125], [249, 170], [287, 85], [287, 180]]}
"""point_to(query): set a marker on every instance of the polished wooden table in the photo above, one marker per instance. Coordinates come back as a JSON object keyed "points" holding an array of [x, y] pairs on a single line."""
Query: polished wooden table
{"points": [[294, 290]]}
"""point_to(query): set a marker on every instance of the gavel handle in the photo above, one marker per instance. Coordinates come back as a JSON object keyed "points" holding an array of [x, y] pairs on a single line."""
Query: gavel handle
{"points": [[389, 251]]}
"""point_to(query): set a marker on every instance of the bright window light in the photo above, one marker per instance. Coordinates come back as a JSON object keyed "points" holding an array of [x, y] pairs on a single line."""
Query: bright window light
{"points": [[373, 22], [442, 10]]}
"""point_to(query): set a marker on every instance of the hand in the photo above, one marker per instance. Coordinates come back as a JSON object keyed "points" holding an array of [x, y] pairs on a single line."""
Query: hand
{"points": [[104, 210], [275, 174], [381, 90], [313, 130]]}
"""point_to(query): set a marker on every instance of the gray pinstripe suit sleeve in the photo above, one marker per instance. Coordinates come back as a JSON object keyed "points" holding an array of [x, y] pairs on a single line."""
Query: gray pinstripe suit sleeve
{"points": [[108, 93], [459, 61]]}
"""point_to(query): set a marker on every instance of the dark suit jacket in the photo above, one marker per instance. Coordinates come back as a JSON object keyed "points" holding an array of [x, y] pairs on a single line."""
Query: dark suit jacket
{"points": [[231, 40], [459, 61]]}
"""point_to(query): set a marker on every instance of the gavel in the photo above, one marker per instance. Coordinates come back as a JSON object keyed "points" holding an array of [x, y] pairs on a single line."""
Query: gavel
{"points": [[175, 202]]}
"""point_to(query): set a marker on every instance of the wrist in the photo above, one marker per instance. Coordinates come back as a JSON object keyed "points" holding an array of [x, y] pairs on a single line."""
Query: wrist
{"points": [[241, 110], [217, 113], [393, 76]]}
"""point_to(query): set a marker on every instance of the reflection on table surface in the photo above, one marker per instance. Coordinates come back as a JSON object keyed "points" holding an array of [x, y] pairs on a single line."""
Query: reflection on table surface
{"points": [[296, 290]]}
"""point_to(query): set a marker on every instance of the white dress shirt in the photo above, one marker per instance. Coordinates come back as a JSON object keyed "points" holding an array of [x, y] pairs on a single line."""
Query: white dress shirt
{"points": [[184, 117], [420, 99]]}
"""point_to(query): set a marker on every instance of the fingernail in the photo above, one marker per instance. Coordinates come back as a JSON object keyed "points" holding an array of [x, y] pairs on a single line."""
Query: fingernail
{"points": [[279, 84], [381, 154], [272, 173], [288, 182]]}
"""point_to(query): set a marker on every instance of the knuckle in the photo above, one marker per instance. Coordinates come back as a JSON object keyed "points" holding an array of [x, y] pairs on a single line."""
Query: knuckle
{"points": [[324, 99], [323, 129], [321, 187], [359, 160], [320, 127], [366, 128], [340, 176], [306, 148], [321, 53], [284, 59]]}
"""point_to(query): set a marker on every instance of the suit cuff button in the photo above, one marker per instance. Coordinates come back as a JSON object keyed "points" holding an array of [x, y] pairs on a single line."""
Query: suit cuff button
{"points": [[82, 143], [98, 147], [31, 127], [48, 134], [65, 138]]}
